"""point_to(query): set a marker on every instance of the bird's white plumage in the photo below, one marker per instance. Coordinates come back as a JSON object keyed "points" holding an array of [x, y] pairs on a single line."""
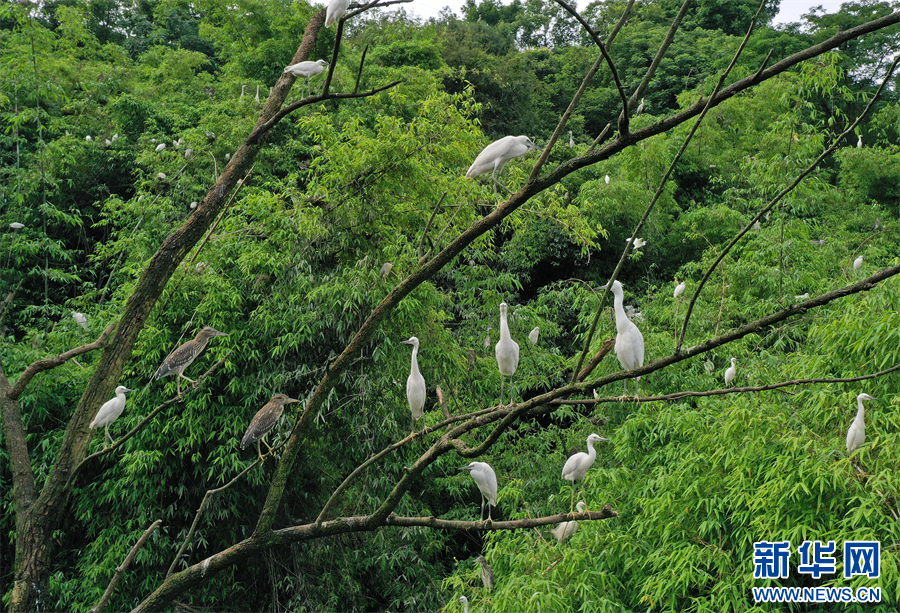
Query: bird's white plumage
{"points": [[111, 409], [415, 383], [335, 10], [857, 263], [506, 351], [565, 529], [16, 225], [638, 242], [307, 69], [856, 435], [571, 140], [533, 336], [160, 147], [629, 340], [494, 157], [576, 467], [486, 480], [730, 372], [80, 319], [679, 289], [465, 603]]}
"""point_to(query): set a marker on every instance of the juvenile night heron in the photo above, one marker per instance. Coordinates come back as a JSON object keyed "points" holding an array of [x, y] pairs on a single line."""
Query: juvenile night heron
{"points": [[415, 384], [856, 435], [263, 422], [507, 353], [565, 529], [486, 480], [306, 70], [182, 357], [494, 157], [577, 465], [629, 340], [487, 573], [110, 411], [730, 372]]}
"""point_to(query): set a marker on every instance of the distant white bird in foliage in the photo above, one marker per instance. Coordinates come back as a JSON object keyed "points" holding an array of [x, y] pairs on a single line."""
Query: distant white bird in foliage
{"points": [[110, 411], [486, 480], [565, 529], [487, 342], [194, 205], [679, 289], [606, 178], [629, 340], [507, 353], [577, 465], [802, 296], [757, 226], [306, 70], [857, 263], [638, 242], [80, 319], [640, 108], [856, 435], [709, 366], [16, 225], [415, 384], [487, 573], [859, 142], [465, 603], [533, 336], [335, 10], [571, 140], [160, 147], [188, 153], [115, 137], [730, 373], [257, 94], [243, 87], [633, 313], [87, 138], [494, 157]]}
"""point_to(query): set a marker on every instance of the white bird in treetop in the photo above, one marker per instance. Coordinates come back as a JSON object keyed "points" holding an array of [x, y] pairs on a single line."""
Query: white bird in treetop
{"points": [[577, 465], [859, 142], [730, 372], [306, 70], [533, 336], [856, 435], [486, 480], [111, 410], [629, 340], [640, 108], [494, 157], [857, 263], [638, 242], [415, 384], [507, 352], [606, 178], [16, 225], [565, 529], [335, 10], [160, 147], [80, 319], [571, 140], [679, 289]]}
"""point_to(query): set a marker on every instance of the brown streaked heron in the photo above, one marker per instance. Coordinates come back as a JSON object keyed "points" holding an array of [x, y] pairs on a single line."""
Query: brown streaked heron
{"points": [[182, 357], [263, 422], [487, 573]]}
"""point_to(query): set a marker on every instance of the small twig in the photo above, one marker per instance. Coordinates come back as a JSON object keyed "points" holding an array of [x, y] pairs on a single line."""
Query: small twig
{"points": [[434, 213], [8, 300], [104, 600]]}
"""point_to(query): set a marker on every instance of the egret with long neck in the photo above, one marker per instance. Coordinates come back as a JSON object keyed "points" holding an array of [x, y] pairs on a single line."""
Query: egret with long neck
{"points": [[415, 384], [507, 352], [856, 435], [629, 340], [577, 465]]}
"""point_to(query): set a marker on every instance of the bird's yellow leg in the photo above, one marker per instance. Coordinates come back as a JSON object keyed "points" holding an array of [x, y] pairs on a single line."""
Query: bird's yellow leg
{"points": [[259, 451]]}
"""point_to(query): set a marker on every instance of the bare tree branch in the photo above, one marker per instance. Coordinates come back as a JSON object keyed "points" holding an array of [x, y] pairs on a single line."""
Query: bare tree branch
{"points": [[104, 600]]}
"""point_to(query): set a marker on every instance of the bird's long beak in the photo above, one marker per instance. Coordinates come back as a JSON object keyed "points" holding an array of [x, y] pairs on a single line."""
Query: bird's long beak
{"points": [[290, 400], [407, 342], [221, 333], [466, 468], [604, 439], [128, 390]]}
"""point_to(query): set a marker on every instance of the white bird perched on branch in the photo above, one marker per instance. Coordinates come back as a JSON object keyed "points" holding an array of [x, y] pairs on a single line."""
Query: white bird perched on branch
{"points": [[577, 465], [486, 480], [533, 336], [565, 529], [730, 372], [638, 242], [679, 289], [856, 435], [629, 340], [640, 108], [507, 352], [306, 70], [571, 140], [111, 410], [335, 10], [494, 157], [859, 142], [415, 384], [160, 147]]}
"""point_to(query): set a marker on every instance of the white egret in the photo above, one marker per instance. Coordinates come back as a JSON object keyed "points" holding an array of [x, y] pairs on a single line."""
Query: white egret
{"points": [[802, 296], [565, 529], [640, 108], [257, 94], [487, 573], [859, 142], [856, 435], [606, 178], [194, 205], [108, 142], [757, 226], [465, 603], [335, 10], [487, 341], [115, 137], [306, 70], [87, 138], [571, 140], [730, 372], [533, 336], [577, 465], [857, 263], [111, 410], [80, 319], [494, 157], [16, 225], [507, 352], [629, 340], [243, 87], [188, 153], [161, 176], [486, 480], [638, 242], [160, 147], [679, 289], [415, 384]]}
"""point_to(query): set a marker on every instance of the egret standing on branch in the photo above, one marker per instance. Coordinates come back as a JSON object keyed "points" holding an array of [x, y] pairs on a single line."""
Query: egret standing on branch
{"points": [[335, 10], [856, 435], [507, 352], [415, 384], [565, 529], [182, 357], [307, 70], [730, 372], [110, 411], [486, 480], [263, 422], [495, 156], [679, 289], [577, 465], [629, 340]]}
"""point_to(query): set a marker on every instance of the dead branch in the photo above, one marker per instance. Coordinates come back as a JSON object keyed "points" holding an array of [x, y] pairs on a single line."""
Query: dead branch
{"points": [[104, 600]]}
